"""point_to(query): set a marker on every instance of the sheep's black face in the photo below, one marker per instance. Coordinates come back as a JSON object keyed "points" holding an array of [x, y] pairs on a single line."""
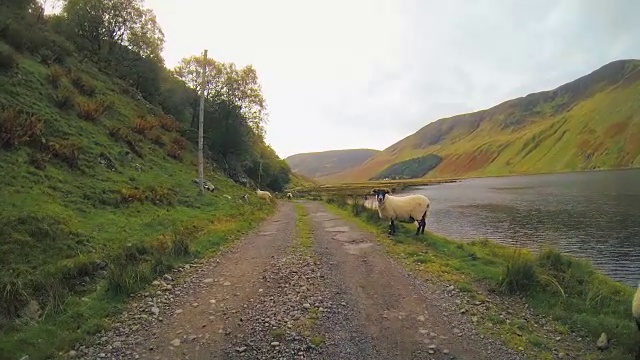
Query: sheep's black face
{"points": [[380, 195]]}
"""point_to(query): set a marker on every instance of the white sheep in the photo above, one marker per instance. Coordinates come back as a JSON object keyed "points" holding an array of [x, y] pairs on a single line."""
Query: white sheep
{"points": [[289, 196], [635, 307], [410, 208], [264, 195]]}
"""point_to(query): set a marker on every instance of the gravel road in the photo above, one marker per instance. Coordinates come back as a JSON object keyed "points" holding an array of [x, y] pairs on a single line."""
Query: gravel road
{"points": [[268, 297]]}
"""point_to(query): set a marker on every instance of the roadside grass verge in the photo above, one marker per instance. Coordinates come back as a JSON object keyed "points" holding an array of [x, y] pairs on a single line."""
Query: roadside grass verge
{"points": [[76, 294], [304, 235], [566, 289]]}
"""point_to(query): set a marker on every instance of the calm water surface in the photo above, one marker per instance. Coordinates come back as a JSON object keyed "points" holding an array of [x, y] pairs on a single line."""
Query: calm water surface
{"points": [[595, 215]]}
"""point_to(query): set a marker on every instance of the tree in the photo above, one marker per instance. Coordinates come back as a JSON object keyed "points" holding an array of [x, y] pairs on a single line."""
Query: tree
{"points": [[100, 24], [225, 81]]}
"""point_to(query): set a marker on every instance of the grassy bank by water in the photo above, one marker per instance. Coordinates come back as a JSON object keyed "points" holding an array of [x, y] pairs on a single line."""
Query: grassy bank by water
{"points": [[568, 290]]}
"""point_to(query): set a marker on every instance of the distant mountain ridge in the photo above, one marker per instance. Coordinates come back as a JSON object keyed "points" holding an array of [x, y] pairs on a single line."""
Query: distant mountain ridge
{"points": [[317, 165], [592, 122]]}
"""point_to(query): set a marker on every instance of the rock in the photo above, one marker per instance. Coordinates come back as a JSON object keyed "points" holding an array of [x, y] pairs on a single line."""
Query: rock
{"points": [[241, 349], [603, 342], [207, 281], [275, 343], [306, 305], [175, 342], [226, 283], [72, 354], [155, 310]]}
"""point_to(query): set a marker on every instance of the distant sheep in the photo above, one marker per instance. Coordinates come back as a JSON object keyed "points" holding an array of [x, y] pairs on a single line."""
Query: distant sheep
{"points": [[289, 196], [264, 195], [635, 307], [245, 197], [410, 208]]}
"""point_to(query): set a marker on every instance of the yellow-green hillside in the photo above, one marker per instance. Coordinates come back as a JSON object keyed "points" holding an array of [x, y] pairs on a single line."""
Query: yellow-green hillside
{"points": [[590, 123]]}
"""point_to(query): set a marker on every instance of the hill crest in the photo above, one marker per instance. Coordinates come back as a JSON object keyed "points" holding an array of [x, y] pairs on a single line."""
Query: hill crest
{"points": [[562, 129]]}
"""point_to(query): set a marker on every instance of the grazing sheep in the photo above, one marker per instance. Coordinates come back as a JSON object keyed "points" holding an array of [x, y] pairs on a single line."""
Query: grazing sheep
{"points": [[245, 197], [289, 196], [635, 307], [264, 195], [408, 208]]}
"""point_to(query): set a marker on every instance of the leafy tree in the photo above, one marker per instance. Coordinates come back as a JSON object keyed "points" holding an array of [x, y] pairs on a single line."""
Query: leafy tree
{"points": [[225, 81], [100, 24]]}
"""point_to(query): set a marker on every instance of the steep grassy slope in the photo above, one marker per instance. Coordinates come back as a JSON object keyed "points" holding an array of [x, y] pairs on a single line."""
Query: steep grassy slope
{"points": [[96, 199], [325, 163], [590, 123]]}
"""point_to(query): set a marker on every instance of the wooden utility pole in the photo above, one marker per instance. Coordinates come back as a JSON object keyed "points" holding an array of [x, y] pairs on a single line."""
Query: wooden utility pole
{"points": [[201, 125]]}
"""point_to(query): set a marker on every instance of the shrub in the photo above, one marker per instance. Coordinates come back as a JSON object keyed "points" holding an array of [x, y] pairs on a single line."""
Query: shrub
{"points": [[56, 74], [143, 125], [15, 36], [155, 137], [8, 60], [169, 124], [66, 151], [64, 97], [18, 128], [131, 195], [39, 160], [124, 135], [84, 86], [92, 109], [156, 195], [176, 147]]}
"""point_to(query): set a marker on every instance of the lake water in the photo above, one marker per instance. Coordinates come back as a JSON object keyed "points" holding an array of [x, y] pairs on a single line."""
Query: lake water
{"points": [[594, 215]]}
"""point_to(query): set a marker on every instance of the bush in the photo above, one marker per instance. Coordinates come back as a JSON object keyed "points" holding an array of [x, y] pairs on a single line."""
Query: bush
{"points": [[56, 74], [143, 125], [156, 138], [8, 60], [64, 97], [17, 128], [157, 195], [124, 135], [92, 109], [39, 160], [66, 151], [169, 124], [83, 85], [176, 147]]}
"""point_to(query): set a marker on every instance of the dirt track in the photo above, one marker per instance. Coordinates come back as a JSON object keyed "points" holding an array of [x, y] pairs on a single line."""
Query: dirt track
{"points": [[267, 299]]}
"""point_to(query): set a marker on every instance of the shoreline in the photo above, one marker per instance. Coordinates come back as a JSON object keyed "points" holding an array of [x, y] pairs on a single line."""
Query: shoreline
{"points": [[568, 290]]}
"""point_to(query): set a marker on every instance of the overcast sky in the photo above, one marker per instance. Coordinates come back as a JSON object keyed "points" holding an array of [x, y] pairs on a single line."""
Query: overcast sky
{"points": [[366, 73]]}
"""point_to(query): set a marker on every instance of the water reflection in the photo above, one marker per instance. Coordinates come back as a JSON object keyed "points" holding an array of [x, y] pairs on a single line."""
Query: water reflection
{"points": [[594, 215]]}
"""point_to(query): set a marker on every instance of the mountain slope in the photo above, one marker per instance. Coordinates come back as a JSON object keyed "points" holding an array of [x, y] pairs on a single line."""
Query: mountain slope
{"points": [[325, 163], [97, 195], [590, 123]]}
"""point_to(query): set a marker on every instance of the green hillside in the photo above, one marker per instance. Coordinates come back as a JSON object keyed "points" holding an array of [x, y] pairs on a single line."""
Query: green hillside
{"points": [[97, 161], [317, 165], [590, 123]]}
